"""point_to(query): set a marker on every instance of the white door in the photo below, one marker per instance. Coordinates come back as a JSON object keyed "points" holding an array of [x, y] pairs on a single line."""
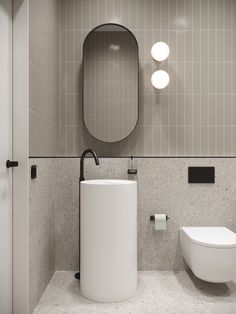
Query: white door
{"points": [[5, 153]]}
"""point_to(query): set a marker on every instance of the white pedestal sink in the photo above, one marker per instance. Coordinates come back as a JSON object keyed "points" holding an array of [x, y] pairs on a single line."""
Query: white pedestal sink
{"points": [[108, 270]]}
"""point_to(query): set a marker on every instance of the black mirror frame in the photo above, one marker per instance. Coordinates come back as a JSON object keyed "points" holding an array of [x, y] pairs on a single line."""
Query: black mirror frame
{"points": [[105, 24]]}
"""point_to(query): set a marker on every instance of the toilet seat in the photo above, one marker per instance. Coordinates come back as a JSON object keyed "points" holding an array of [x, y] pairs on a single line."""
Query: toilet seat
{"points": [[214, 237]]}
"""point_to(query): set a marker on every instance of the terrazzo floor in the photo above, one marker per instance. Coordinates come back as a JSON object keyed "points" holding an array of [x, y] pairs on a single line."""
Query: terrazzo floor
{"points": [[158, 292]]}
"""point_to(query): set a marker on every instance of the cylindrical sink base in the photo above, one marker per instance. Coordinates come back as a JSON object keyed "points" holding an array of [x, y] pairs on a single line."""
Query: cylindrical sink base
{"points": [[108, 270]]}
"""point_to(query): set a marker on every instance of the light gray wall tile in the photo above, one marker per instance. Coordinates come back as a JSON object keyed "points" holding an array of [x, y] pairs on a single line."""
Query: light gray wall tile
{"points": [[44, 93], [202, 67]]}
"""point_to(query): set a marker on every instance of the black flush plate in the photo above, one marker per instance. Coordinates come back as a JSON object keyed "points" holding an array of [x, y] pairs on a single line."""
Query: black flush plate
{"points": [[201, 174], [33, 172]]}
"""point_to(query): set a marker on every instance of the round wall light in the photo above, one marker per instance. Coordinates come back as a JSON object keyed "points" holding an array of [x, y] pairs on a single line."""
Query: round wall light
{"points": [[160, 79], [160, 51]]}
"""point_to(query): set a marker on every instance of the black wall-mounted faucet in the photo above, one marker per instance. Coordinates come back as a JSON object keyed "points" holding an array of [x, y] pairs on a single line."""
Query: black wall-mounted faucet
{"points": [[81, 178], [87, 151]]}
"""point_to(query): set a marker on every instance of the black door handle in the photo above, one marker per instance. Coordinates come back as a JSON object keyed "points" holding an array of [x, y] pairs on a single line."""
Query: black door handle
{"points": [[10, 164]]}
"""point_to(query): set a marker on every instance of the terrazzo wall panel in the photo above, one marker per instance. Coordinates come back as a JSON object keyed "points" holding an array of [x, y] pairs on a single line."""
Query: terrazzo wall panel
{"points": [[67, 213], [194, 116], [42, 244], [162, 188]]}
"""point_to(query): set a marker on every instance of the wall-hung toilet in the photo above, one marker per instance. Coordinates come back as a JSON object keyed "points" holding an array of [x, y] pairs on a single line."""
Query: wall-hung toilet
{"points": [[210, 252]]}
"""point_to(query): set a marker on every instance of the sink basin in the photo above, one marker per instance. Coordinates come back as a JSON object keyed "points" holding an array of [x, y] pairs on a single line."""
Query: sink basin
{"points": [[109, 182], [108, 270]]}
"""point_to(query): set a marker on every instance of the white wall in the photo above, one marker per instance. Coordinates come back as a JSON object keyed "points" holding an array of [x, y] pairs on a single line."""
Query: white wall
{"points": [[20, 153], [5, 153]]}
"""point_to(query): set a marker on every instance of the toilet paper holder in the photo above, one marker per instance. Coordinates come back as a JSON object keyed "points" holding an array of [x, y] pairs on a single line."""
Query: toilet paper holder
{"points": [[152, 217]]}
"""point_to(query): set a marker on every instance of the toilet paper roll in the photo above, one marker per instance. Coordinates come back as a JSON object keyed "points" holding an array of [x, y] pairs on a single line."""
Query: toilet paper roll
{"points": [[160, 221]]}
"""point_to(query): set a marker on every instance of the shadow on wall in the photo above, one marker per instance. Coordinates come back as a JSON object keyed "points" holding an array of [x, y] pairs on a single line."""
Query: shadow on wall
{"points": [[16, 6], [209, 288], [5, 6], [178, 260]]}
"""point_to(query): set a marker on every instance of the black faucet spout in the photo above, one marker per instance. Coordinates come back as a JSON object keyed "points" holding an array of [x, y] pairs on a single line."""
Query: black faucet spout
{"points": [[87, 151]]}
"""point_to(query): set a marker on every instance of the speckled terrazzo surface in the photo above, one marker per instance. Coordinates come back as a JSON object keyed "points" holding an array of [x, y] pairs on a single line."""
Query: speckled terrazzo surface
{"points": [[162, 187], [158, 292]]}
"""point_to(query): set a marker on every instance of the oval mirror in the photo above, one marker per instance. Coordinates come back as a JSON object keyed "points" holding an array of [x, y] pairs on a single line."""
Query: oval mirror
{"points": [[110, 82]]}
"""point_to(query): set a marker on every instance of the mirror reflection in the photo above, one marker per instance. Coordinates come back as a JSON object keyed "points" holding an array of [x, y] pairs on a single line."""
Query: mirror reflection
{"points": [[110, 82]]}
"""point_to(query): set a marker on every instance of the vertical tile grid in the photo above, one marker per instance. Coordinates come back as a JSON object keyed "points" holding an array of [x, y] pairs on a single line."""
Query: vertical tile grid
{"points": [[194, 116]]}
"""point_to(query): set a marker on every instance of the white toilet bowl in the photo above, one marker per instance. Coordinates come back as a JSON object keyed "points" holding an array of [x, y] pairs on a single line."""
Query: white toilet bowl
{"points": [[210, 252]]}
